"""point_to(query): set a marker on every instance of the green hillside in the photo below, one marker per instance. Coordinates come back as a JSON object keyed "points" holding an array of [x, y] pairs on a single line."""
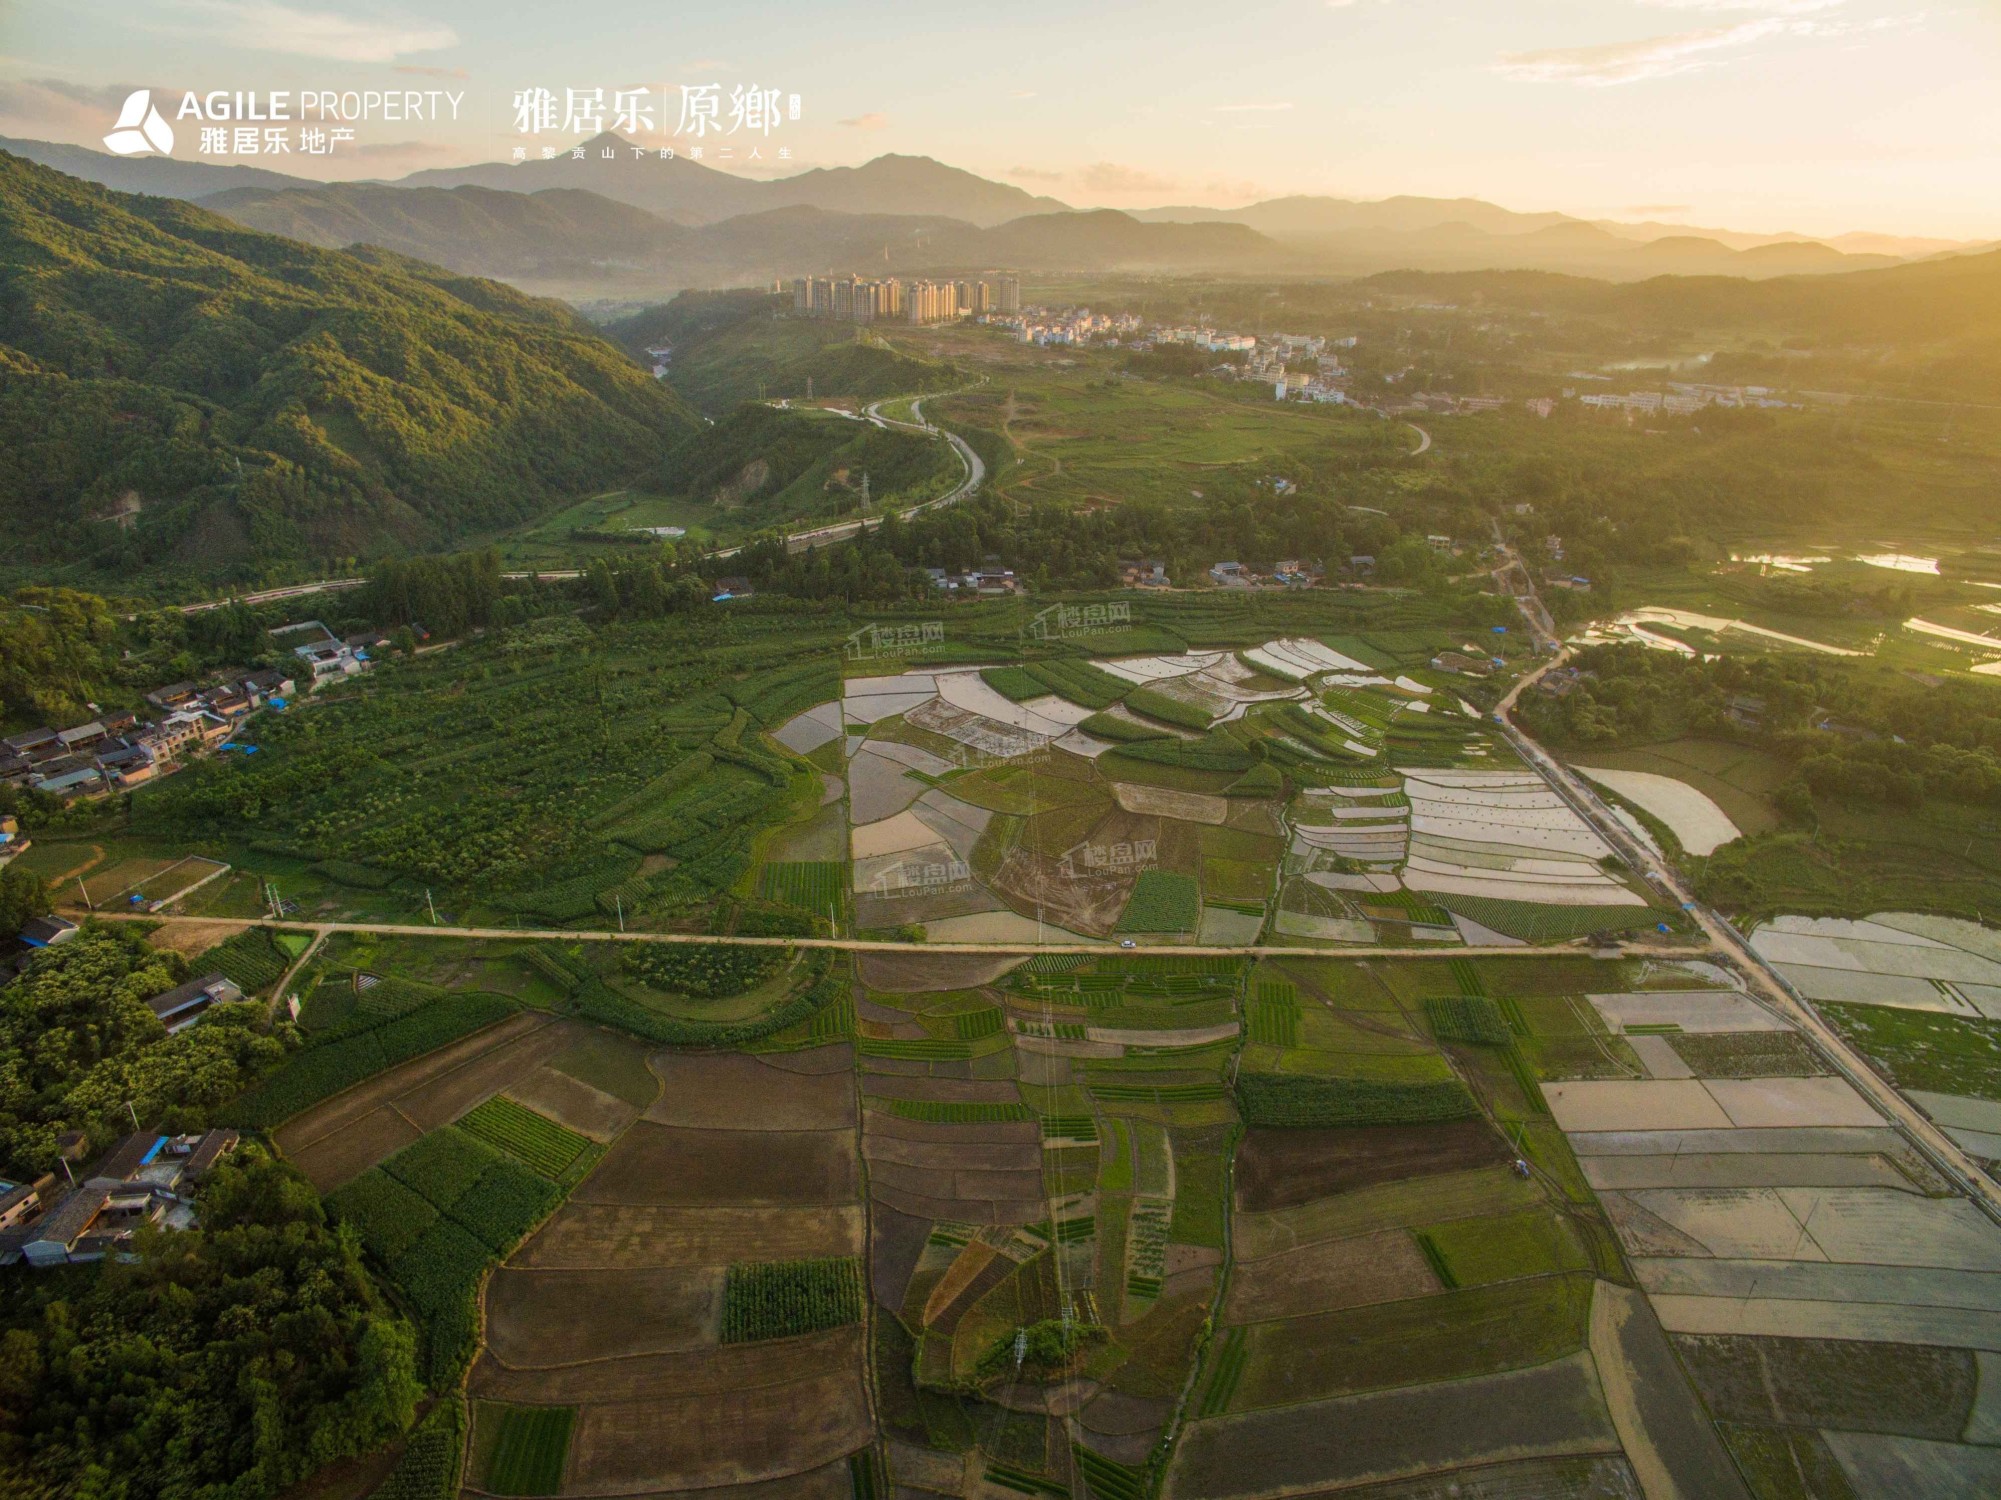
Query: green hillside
{"points": [[788, 462], [729, 349], [188, 396]]}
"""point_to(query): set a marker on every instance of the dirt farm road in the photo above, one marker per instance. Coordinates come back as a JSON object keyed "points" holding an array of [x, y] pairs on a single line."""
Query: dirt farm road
{"points": [[870, 945]]}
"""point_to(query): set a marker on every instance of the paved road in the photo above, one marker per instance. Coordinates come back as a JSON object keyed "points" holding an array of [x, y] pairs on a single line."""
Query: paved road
{"points": [[1423, 439], [1731, 948], [870, 945], [974, 473], [333, 586]]}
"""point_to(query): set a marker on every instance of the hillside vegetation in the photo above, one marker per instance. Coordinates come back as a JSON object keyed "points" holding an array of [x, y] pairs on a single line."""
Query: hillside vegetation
{"points": [[186, 394], [728, 348]]}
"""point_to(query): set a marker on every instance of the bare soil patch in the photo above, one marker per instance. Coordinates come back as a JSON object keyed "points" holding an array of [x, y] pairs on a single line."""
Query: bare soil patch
{"points": [[442, 1099], [347, 1153], [1910, 1390], [685, 1371], [909, 973], [1329, 1276], [947, 1183], [587, 1236], [896, 1244], [191, 939], [838, 1057], [345, 1108], [1554, 1409], [1034, 884], [1160, 802], [959, 1210], [878, 1126], [588, 1110], [953, 1156], [683, 1441], [964, 1090], [1281, 1168], [660, 1164], [541, 1318], [740, 1092]]}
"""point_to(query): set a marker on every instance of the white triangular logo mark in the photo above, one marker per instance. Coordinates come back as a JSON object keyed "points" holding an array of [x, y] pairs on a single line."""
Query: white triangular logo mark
{"points": [[140, 127]]}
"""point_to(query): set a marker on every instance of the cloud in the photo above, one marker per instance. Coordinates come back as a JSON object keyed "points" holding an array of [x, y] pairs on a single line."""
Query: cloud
{"points": [[1024, 94], [56, 109], [1609, 63], [1033, 174], [1655, 210], [1111, 177], [423, 72], [1685, 51], [266, 26], [1253, 109], [1753, 7], [709, 62], [1227, 187], [875, 119]]}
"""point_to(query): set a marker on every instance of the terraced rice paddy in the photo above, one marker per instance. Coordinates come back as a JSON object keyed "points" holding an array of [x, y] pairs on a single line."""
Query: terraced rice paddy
{"points": [[1777, 1225], [1446, 1223], [1292, 788], [1698, 824]]}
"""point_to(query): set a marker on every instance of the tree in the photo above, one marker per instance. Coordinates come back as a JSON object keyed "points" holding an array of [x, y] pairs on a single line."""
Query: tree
{"points": [[227, 1362], [23, 897]]}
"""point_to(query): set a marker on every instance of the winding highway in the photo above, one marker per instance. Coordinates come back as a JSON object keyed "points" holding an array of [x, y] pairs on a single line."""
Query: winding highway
{"points": [[1730, 947], [973, 474]]}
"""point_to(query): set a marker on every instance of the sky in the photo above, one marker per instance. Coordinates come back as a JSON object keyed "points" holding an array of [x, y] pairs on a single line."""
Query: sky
{"points": [[1812, 116]]}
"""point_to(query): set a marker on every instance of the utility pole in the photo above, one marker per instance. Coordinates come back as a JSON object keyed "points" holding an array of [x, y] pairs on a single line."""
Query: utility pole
{"points": [[619, 902], [432, 904], [83, 893], [131, 1110]]}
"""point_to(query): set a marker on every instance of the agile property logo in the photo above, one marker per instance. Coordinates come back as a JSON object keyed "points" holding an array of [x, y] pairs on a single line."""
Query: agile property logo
{"points": [[140, 127]]}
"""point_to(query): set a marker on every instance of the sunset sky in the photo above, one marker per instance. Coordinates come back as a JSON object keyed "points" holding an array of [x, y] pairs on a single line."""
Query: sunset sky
{"points": [[1820, 116]]}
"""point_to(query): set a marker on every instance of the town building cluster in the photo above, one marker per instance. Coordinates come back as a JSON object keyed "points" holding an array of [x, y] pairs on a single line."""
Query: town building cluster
{"points": [[120, 750], [855, 299], [1069, 325]]}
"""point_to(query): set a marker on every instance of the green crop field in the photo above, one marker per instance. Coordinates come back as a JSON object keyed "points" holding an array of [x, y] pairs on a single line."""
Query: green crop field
{"points": [[540, 1142], [1299, 1102], [1162, 902], [526, 1452], [818, 886], [781, 1299]]}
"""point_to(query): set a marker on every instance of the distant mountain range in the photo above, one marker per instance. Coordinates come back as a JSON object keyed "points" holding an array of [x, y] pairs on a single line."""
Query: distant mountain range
{"points": [[632, 224]]}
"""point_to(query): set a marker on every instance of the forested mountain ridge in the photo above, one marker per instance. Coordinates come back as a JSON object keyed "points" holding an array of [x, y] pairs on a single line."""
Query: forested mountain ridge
{"points": [[187, 394]]}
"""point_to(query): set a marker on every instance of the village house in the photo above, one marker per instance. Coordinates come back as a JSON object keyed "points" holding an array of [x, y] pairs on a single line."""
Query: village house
{"points": [[182, 1006], [70, 781], [328, 658], [46, 932], [1143, 573], [146, 1178], [181, 734], [126, 763], [1460, 661], [33, 745], [1232, 575], [174, 695]]}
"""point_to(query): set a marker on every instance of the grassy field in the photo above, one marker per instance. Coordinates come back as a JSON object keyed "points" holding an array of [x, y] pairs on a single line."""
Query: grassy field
{"points": [[1922, 1050]]}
